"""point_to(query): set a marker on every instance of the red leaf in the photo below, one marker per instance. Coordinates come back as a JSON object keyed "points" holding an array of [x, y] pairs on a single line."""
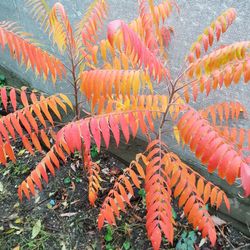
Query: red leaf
{"points": [[96, 132], [39, 115], [197, 50], [31, 185], [36, 142], [16, 125], [31, 120], [25, 123], [27, 144], [245, 178], [24, 98], [54, 159], [115, 129], [75, 136], [191, 57], [217, 156], [133, 124], [45, 138], [60, 153], [25, 190], [35, 177], [49, 165], [9, 127], [218, 30], [150, 122], [13, 98], [124, 127], [4, 97], [112, 28], [84, 127], [101, 219], [205, 42], [233, 170], [142, 123], [105, 131], [9, 151], [207, 192], [156, 238], [43, 172]]}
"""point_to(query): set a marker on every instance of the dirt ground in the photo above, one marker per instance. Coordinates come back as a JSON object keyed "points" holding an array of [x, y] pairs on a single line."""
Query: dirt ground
{"points": [[60, 217]]}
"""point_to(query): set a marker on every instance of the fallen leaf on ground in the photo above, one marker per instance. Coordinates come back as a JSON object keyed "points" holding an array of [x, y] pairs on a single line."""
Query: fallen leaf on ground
{"points": [[36, 229], [217, 221], [68, 214]]}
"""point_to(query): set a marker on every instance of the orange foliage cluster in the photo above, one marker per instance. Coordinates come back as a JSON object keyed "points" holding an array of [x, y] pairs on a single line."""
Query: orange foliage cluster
{"points": [[120, 92]]}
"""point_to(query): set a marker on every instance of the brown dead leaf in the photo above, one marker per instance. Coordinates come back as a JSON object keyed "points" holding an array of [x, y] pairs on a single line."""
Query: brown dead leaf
{"points": [[68, 214], [217, 221]]}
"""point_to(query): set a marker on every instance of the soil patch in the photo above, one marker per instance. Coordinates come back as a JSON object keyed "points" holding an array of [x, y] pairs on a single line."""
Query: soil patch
{"points": [[64, 219]]}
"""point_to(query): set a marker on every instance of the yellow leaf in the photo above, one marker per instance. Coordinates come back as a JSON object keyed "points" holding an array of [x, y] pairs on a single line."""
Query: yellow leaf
{"points": [[146, 78], [116, 63], [66, 99], [103, 50], [176, 134], [127, 103], [124, 61], [94, 54], [136, 82], [198, 72], [18, 221]]}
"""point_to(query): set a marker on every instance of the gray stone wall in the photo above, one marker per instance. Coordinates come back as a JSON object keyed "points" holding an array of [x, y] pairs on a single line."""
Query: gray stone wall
{"points": [[195, 15], [16, 10]]}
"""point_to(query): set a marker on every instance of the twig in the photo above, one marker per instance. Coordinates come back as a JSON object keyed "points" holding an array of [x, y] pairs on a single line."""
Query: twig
{"points": [[222, 233], [38, 204], [241, 247]]}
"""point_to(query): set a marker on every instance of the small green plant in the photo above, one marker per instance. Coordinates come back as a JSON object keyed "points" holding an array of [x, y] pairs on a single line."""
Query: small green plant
{"points": [[126, 245], [174, 215], [67, 180], [142, 193], [28, 234], [2, 80], [187, 240], [109, 234], [94, 151], [108, 238], [17, 169]]}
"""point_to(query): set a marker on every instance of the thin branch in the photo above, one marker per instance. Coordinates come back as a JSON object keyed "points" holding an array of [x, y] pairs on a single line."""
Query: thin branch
{"points": [[187, 84], [222, 233], [246, 246]]}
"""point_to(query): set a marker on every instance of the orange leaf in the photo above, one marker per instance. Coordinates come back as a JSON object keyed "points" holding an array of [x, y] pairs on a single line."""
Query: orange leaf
{"points": [[36, 142], [207, 192], [9, 151], [24, 98], [13, 98], [134, 178], [213, 196], [4, 97], [2, 156], [31, 185], [36, 178], [25, 190], [27, 144], [45, 138]]}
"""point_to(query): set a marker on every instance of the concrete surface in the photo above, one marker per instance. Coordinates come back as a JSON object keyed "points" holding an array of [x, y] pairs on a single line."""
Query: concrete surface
{"points": [[194, 17]]}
